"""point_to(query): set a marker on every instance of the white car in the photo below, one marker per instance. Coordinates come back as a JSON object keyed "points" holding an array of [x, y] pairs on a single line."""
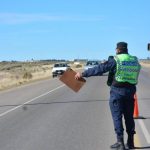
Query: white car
{"points": [[59, 69]]}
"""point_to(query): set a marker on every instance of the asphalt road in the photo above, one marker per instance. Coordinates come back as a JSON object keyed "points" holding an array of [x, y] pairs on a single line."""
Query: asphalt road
{"points": [[47, 115]]}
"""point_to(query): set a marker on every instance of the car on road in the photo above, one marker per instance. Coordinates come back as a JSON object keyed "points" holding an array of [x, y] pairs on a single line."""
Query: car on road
{"points": [[91, 64], [59, 69]]}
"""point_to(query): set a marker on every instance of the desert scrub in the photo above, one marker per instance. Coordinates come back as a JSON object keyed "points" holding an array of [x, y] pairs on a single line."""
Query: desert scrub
{"points": [[78, 66], [27, 75]]}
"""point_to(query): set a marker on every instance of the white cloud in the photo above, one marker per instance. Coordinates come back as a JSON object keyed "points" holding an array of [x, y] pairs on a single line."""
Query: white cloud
{"points": [[14, 18], [18, 18]]}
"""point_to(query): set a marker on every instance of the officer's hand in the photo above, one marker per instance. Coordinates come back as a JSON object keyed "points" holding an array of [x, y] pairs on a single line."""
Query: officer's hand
{"points": [[78, 75]]}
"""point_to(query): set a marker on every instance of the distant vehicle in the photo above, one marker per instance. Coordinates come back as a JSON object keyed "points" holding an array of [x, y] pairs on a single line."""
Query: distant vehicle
{"points": [[91, 64], [59, 69]]}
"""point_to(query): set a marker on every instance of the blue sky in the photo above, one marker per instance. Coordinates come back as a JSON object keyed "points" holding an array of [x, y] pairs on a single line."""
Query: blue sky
{"points": [[69, 29]]}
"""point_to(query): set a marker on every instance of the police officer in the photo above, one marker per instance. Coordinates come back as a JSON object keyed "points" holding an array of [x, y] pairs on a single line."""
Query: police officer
{"points": [[125, 70]]}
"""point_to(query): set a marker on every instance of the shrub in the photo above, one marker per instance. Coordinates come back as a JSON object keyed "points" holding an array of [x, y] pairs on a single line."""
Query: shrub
{"points": [[27, 75], [78, 66]]}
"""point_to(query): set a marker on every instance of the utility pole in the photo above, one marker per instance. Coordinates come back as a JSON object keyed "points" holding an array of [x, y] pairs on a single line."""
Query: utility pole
{"points": [[148, 46]]}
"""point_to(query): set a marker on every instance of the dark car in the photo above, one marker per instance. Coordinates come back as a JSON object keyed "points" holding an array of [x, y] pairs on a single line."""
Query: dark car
{"points": [[90, 64]]}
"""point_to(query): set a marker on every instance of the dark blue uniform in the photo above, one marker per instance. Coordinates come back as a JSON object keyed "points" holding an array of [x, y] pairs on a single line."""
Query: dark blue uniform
{"points": [[121, 98]]}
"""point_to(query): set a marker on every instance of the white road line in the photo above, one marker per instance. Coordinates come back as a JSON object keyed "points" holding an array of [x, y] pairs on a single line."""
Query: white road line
{"points": [[145, 131], [33, 99]]}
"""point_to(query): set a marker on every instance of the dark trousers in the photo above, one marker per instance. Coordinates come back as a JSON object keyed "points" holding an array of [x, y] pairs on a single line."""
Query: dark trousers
{"points": [[122, 105]]}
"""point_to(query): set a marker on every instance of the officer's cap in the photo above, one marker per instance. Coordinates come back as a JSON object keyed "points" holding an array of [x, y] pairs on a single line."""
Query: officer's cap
{"points": [[122, 46]]}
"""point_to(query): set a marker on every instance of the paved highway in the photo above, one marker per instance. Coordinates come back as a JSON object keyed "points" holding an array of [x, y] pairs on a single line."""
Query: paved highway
{"points": [[47, 115]]}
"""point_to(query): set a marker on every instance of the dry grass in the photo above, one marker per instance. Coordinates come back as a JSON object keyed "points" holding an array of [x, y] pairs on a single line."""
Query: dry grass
{"points": [[17, 73], [147, 65]]}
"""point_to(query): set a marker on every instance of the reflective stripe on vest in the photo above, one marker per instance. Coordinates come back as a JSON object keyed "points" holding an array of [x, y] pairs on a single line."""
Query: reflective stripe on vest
{"points": [[127, 69]]}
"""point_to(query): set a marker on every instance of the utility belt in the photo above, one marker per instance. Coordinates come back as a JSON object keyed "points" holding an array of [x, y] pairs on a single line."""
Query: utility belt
{"points": [[122, 84]]}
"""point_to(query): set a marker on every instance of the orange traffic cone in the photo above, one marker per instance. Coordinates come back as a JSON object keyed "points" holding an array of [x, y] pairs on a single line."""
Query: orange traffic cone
{"points": [[136, 108]]}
